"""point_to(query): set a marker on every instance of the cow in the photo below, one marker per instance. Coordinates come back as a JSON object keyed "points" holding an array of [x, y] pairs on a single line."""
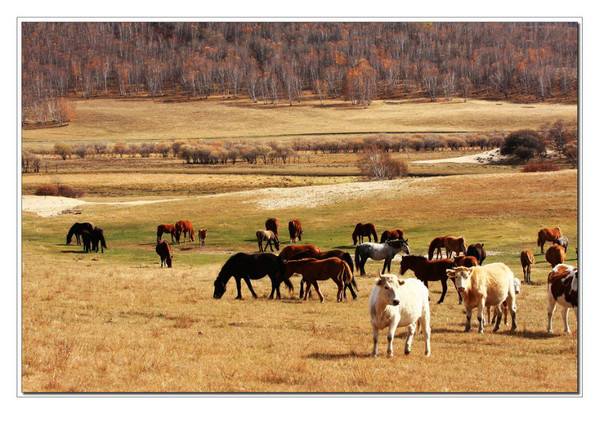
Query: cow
{"points": [[163, 249], [394, 303], [527, 259], [483, 286], [517, 284], [555, 255], [295, 228], [548, 234], [562, 289], [476, 250]]}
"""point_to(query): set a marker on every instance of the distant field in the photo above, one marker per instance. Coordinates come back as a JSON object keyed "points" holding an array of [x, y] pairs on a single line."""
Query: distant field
{"points": [[145, 119]]}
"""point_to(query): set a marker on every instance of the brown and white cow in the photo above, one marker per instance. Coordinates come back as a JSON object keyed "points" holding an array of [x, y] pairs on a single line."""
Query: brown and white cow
{"points": [[527, 259], [562, 289], [556, 255], [482, 286]]}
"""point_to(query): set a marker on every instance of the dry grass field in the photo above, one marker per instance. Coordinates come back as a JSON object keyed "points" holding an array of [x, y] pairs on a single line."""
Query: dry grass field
{"points": [[117, 322]]}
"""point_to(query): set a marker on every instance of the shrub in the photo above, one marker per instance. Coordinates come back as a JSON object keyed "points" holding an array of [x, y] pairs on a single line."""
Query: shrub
{"points": [[523, 144], [378, 164], [120, 148], [162, 149], [541, 167], [455, 142], [59, 190], [63, 150], [81, 150], [432, 142], [416, 142], [47, 190]]}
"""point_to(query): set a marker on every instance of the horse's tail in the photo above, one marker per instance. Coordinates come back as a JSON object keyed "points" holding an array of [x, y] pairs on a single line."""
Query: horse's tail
{"points": [[347, 276], [357, 259], [348, 259], [432, 247], [539, 242], [103, 242]]}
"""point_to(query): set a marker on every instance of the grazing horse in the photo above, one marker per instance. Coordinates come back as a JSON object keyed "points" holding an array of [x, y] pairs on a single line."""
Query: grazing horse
{"points": [[312, 270], [556, 255], [202, 235], [548, 234], [86, 239], [429, 270], [270, 237], [328, 254], [163, 249], [454, 244], [251, 267], [527, 259], [364, 230], [185, 226], [174, 230], [436, 246], [392, 234], [379, 251], [290, 251], [562, 241], [76, 230], [272, 224], [476, 250], [295, 228], [97, 238]]}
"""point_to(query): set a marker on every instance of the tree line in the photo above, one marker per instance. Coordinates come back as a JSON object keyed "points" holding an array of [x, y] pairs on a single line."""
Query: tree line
{"points": [[278, 62]]}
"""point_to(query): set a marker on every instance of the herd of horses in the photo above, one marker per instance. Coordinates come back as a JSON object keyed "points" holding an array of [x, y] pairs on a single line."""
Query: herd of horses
{"points": [[85, 234]]}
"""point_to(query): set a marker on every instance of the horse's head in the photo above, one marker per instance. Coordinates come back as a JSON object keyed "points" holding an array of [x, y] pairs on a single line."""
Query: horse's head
{"points": [[69, 237], [300, 235], [405, 265], [220, 287], [463, 244]]}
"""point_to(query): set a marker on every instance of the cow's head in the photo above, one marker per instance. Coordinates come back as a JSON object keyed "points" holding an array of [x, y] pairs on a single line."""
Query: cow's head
{"points": [[517, 285], [388, 288], [461, 276]]}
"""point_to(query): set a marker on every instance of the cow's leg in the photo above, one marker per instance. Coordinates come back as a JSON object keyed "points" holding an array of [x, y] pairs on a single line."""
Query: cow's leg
{"points": [[426, 328], [468, 325], [238, 284], [247, 280], [565, 315], [375, 341], [390, 336], [409, 338], [512, 307], [498, 316], [444, 290], [551, 308]]}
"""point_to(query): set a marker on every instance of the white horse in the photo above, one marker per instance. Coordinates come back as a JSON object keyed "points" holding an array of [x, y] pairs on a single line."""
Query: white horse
{"points": [[396, 303], [379, 251]]}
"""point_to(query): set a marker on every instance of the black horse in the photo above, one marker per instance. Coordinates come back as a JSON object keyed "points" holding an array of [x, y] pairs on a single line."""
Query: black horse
{"points": [[327, 254], [77, 229], [251, 267], [476, 250], [86, 237], [98, 239]]}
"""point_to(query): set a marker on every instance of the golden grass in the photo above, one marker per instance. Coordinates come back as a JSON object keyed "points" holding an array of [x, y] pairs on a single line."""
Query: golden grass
{"points": [[117, 322], [145, 119]]}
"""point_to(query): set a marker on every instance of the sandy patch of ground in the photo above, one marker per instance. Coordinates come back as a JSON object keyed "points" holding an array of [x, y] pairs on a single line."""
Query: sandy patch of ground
{"points": [[482, 158]]}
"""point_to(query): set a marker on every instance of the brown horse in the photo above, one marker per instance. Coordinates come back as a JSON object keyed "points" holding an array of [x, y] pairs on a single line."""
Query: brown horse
{"points": [[186, 227], [436, 246], [556, 255], [392, 234], [312, 270], [527, 259], [548, 234], [476, 250], [202, 235], [174, 230], [272, 224], [163, 249], [454, 244], [467, 261], [289, 251], [429, 270], [364, 230], [269, 237], [295, 228]]}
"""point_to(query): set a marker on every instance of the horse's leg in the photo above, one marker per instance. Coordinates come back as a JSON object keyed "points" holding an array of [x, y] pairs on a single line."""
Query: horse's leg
{"points": [[444, 290], [542, 246], [301, 288], [321, 298], [349, 285], [340, 293], [238, 284], [247, 280], [274, 287], [308, 285]]}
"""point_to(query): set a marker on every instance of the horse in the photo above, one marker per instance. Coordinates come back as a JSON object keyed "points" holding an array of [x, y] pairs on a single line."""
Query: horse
{"points": [[392, 234], [379, 251], [476, 250], [429, 270], [328, 254], [436, 246], [548, 234], [251, 267], [454, 244], [527, 259], [295, 228], [163, 249], [270, 237], [97, 238], [362, 231], [290, 251], [86, 239], [174, 230], [76, 230], [272, 224], [202, 235], [562, 241], [312, 270], [185, 226]]}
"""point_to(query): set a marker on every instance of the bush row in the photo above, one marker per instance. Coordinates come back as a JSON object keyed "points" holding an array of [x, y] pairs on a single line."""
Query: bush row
{"points": [[59, 190]]}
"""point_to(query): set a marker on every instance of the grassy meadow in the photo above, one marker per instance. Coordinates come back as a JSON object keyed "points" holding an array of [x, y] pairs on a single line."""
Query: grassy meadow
{"points": [[117, 322]]}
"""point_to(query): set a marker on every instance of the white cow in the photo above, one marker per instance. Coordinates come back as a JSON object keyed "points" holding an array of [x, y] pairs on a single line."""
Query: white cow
{"points": [[396, 303], [483, 286], [562, 289]]}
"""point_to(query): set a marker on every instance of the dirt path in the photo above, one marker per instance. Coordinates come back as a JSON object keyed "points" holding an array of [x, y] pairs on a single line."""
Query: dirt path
{"points": [[481, 158]]}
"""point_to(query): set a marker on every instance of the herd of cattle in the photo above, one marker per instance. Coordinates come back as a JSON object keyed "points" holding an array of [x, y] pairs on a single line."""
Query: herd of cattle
{"points": [[393, 301]]}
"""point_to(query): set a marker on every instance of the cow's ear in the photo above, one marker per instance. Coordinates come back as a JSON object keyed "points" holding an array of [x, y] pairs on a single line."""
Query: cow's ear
{"points": [[401, 282], [451, 273]]}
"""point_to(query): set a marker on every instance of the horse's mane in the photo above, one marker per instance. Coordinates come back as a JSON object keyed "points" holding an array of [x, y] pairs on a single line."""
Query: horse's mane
{"points": [[415, 257]]}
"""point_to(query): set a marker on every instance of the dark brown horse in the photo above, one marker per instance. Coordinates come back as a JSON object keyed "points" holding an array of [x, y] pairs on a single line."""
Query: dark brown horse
{"points": [[76, 230], [312, 270], [454, 244], [555, 255], [467, 261], [364, 230], [328, 254], [174, 230], [436, 246], [272, 224], [163, 249], [186, 227], [289, 251], [202, 235], [295, 228], [269, 237], [97, 239], [428, 270], [242, 266], [548, 234], [392, 234], [476, 250]]}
